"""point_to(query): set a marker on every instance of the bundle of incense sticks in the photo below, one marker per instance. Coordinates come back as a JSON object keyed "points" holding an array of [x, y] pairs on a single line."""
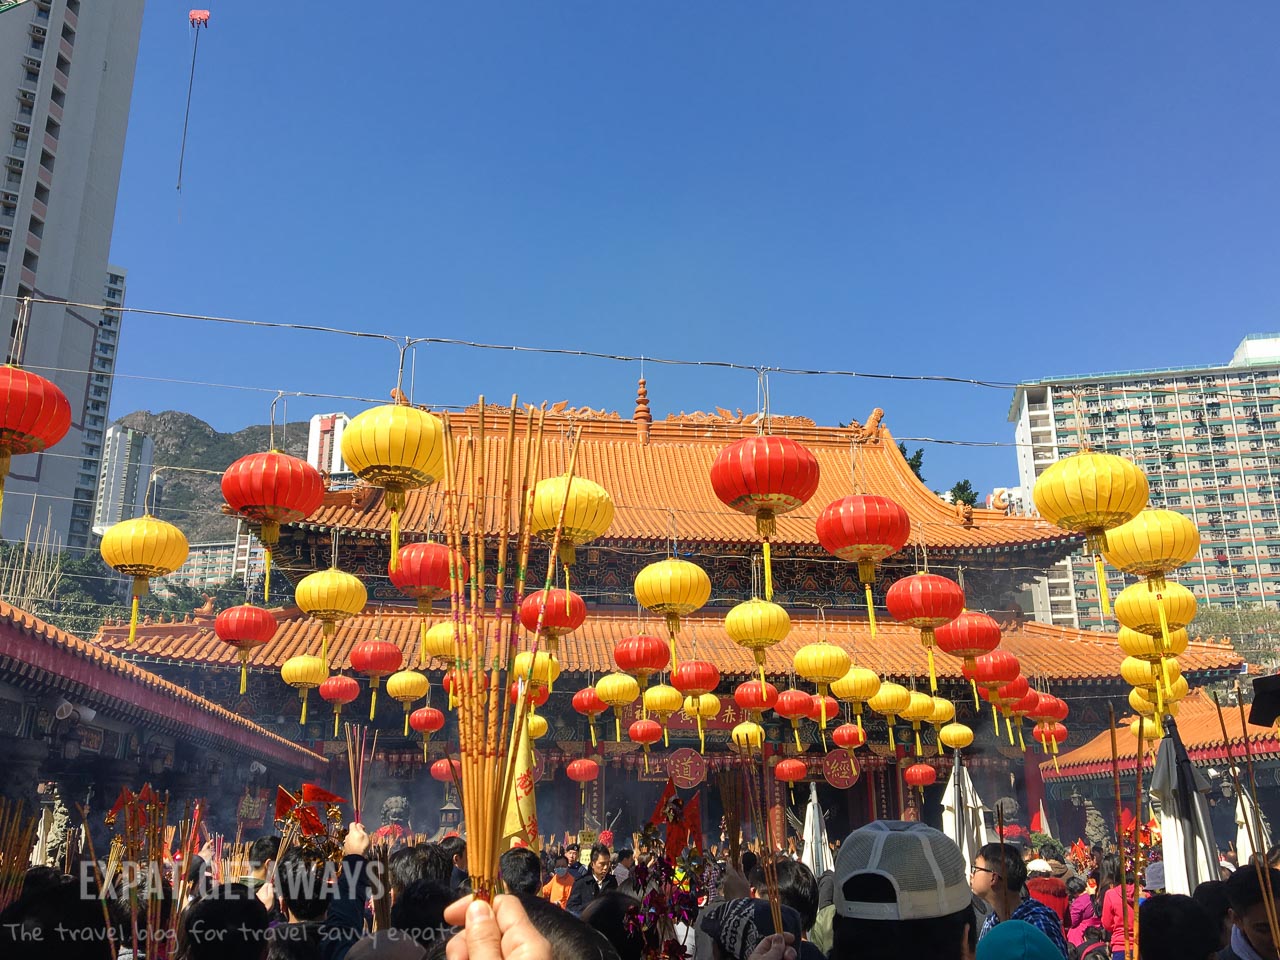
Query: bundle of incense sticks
{"points": [[1115, 783], [380, 854], [730, 785], [1253, 825], [236, 861], [765, 836], [360, 753], [17, 838], [485, 639]]}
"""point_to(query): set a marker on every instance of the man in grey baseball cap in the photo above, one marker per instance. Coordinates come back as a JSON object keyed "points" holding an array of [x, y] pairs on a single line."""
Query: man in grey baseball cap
{"points": [[901, 890]]}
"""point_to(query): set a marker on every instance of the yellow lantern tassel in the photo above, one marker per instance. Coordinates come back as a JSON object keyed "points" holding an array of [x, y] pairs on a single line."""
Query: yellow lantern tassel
{"points": [[266, 575], [424, 748], [858, 717], [665, 742], [133, 619], [337, 711], [1104, 594], [702, 737], [995, 720], [892, 743], [1022, 744], [244, 675], [617, 725], [768, 572], [1055, 764], [933, 676], [325, 632], [422, 642], [764, 691], [871, 612], [795, 729], [919, 750], [646, 758], [305, 691], [373, 698], [1164, 624], [973, 685], [592, 727], [406, 721], [791, 789]]}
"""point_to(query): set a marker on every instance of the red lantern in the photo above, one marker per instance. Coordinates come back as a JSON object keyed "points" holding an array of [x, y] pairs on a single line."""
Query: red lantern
{"points": [[375, 659], [588, 703], [339, 690], [864, 530], [270, 489], [245, 627], [645, 733], [920, 775], [565, 612], [968, 637], [535, 693], [1050, 735], [848, 736], [641, 656], [794, 705], [426, 720], [583, 770], [790, 771], [1051, 709], [748, 697], [765, 476], [925, 600], [823, 709], [34, 415], [695, 677], [422, 572], [1004, 697], [446, 770]]}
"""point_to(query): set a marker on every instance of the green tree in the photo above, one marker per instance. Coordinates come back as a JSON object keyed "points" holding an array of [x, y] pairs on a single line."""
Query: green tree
{"points": [[1251, 628], [963, 492], [914, 460]]}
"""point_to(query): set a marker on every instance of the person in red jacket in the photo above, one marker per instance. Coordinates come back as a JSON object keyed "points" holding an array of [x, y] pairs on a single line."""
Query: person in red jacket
{"points": [[1048, 889]]}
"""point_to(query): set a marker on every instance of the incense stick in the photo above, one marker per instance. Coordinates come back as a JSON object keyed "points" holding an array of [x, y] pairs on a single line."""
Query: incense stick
{"points": [[730, 785], [1268, 895], [1137, 835], [1115, 777]]}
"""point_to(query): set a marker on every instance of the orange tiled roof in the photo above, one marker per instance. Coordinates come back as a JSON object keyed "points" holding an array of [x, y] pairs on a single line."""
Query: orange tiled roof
{"points": [[1198, 726], [662, 486], [30, 648], [1056, 654]]}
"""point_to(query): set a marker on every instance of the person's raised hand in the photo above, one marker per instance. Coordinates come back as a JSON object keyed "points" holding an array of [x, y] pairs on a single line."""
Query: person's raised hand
{"points": [[733, 884], [500, 932], [357, 841], [776, 946]]}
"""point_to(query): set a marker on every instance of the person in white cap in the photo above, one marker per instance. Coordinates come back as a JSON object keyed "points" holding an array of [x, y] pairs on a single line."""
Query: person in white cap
{"points": [[901, 892]]}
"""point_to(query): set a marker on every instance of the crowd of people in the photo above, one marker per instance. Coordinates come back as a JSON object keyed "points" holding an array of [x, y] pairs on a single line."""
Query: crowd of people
{"points": [[898, 889]]}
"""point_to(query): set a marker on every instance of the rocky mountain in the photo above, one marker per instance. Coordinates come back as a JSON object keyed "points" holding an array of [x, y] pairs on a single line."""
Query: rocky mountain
{"points": [[193, 501]]}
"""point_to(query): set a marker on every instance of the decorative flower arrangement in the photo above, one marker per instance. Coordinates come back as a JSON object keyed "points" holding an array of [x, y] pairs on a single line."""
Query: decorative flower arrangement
{"points": [[669, 891]]}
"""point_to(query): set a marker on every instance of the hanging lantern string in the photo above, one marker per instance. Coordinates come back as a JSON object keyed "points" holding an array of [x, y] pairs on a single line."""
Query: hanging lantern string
{"points": [[20, 334]]}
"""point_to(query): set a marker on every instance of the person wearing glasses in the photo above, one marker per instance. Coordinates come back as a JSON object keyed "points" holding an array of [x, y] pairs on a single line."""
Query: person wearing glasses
{"points": [[998, 876]]}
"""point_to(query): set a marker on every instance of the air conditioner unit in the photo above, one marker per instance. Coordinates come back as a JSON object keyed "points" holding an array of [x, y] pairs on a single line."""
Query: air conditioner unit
{"points": [[27, 96]]}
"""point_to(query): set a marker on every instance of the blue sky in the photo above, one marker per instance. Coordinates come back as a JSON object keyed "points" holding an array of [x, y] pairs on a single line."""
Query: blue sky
{"points": [[990, 190]]}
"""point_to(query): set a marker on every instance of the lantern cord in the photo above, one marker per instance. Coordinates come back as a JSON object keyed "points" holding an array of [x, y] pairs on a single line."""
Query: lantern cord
{"points": [[1104, 593], [196, 24]]}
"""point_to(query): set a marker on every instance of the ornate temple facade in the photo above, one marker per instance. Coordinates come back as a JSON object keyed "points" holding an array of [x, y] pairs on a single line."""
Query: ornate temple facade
{"points": [[657, 473]]}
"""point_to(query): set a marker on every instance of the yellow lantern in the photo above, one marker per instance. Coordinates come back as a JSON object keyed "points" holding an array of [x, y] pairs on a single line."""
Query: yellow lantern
{"points": [[538, 670], [1148, 728], [1156, 677], [1176, 691], [407, 686], [889, 701], [1142, 609], [747, 736], [398, 448], [662, 701], [1091, 493], [143, 548], [587, 514], [1152, 544], [944, 711], [1146, 647], [617, 690], [304, 674], [536, 725], [757, 625], [955, 736], [856, 687], [674, 588], [439, 643], [330, 596], [919, 709], [702, 707], [822, 664]]}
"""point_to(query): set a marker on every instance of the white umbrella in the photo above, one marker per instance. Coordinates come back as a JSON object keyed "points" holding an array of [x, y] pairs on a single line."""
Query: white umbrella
{"points": [[1247, 812], [1178, 794], [962, 812], [1044, 821], [816, 855]]}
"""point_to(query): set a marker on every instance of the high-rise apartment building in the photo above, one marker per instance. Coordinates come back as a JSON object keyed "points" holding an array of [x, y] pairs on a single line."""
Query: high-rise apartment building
{"points": [[127, 459], [324, 444], [1208, 438], [68, 67]]}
